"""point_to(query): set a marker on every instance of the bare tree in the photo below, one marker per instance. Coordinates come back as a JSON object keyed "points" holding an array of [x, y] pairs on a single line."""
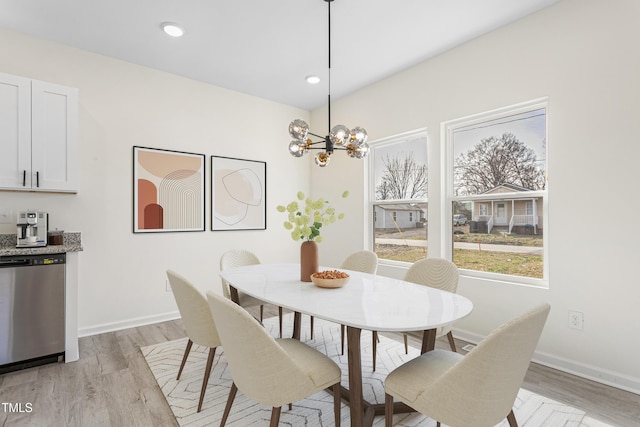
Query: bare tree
{"points": [[495, 161], [384, 191], [403, 178]]}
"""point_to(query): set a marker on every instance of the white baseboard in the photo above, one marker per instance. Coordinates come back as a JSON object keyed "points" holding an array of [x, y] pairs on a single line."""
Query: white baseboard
{"points": [[610, 378], [125, 324]]}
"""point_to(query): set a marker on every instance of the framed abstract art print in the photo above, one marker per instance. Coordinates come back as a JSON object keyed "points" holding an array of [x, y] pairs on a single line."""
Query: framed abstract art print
{"points": [[238, 194], [168, 191]]}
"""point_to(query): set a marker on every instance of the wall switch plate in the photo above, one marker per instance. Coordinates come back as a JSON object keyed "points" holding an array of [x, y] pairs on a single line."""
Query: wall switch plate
{"points": [[6, 216], [576, 320]]}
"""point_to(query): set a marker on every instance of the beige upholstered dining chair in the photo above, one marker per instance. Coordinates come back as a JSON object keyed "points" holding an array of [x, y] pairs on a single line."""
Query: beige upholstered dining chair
{"points": [[239, 258], [197, 321], [478, 389], [365, 261], [437, 273], [269, 371]]}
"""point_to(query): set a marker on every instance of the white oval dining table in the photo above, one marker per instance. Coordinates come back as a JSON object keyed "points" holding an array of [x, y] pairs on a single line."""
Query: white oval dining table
{"points": [[366, 301]]}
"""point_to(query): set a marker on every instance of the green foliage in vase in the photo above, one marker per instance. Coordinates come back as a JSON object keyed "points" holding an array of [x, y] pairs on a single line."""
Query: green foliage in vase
{"points": [[305, 217]]}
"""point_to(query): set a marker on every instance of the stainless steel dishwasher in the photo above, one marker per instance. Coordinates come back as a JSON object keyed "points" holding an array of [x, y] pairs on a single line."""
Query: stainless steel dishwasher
{"points": [[32, 315]]}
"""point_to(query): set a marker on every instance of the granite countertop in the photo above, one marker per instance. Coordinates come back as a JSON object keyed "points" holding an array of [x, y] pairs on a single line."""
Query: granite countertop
{"points": [[71, 242]]}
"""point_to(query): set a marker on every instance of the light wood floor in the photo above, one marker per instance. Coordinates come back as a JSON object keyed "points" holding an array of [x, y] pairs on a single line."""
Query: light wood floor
{"points": [[111, 385]]}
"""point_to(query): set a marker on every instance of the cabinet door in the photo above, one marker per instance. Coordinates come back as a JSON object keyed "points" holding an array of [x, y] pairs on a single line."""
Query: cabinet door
{"points": [[15, 132], [54, 137]]}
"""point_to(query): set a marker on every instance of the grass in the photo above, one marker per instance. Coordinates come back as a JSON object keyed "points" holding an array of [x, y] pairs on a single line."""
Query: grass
{"points": [[497, 239], [401, 252], [512, 263]]}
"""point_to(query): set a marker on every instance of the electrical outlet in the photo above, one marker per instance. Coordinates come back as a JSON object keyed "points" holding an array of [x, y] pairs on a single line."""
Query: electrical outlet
{"points": [[576, 320], [167, 286], [468, 347]]}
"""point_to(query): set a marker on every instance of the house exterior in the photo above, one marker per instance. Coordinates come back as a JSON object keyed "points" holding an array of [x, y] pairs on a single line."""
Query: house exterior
{"points": [[398, 216], [521, 215]]}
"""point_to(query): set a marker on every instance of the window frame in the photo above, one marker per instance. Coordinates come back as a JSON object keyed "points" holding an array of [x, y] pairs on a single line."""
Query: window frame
{"points": [[448, 197], [371, 190]]}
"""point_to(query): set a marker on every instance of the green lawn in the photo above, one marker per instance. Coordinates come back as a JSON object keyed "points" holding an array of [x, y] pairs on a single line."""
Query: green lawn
{"points": [[500, 262], [497, 239]]}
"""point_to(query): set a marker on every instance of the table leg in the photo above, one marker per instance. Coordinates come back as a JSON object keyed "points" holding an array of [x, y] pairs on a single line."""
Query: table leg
{"points": [[297, 320], [355, 376], [234, 294], [428, 340], [362, 413]]}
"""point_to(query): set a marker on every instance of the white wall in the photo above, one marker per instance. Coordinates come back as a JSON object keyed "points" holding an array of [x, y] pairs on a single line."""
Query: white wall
{"points": [[583, 55], [121, 274]]}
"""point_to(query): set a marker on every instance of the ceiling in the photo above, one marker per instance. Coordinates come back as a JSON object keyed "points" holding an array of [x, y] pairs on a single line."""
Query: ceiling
{"points": [[267, 48]]}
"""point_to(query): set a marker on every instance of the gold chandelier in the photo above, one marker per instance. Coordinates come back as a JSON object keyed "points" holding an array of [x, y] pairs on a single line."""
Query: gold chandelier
{"points": [[340, 137]]}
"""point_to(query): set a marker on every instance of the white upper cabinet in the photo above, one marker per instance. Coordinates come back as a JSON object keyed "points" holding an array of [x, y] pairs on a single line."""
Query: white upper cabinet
{"points": [[38, 135]]}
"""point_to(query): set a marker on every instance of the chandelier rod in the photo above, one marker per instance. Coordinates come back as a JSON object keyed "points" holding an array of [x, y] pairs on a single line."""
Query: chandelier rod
{"points": [[353, 141], [329, 62]]}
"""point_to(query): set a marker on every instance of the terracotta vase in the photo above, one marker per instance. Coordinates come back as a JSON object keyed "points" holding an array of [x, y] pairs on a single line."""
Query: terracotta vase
{"points": [[308, 260]]}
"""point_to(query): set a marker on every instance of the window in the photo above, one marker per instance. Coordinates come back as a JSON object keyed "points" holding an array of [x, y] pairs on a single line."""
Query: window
{"points": [[495, 170], [398, 197]]}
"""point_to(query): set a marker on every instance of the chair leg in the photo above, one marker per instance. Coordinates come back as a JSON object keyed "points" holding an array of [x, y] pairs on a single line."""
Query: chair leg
{"points": [[227, 408], [261, 312], [374, 339], [280, 319], [512, 419], [311, 327], [184, 358], [337, 396], [406, 344], [452, 343], [207, 372], [342, 338], [275, 416], [388, 410]]}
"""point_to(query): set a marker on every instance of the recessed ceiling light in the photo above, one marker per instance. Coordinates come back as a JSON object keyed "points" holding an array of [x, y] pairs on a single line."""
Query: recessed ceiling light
{"points": [[172, 29], [312, 80]]}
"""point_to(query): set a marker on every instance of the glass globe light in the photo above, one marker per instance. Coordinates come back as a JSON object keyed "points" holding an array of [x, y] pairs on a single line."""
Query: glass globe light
{"points": [[358, 136], [359, 152], [297, 148], [339, 134], [298, 129], [322, 159]]}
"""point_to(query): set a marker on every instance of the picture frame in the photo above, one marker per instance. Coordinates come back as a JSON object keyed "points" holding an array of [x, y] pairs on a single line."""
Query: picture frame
{"points": [[238, 194], [168, 190]]}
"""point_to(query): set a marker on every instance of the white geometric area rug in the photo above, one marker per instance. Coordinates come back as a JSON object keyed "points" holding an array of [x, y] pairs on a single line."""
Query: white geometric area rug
{"points": [[164, 359]]}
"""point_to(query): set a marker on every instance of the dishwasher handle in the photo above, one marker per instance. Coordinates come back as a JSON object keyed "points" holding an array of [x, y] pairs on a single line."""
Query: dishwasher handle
{"points": [[18, 262]]}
